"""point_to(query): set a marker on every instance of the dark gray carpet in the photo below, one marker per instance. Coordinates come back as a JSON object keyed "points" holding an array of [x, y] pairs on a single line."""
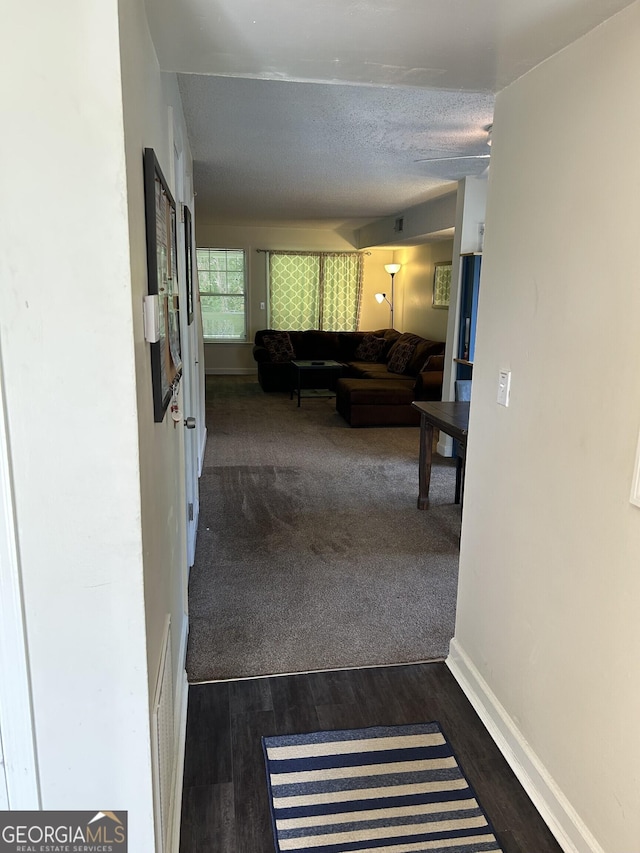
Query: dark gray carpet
{"points": [[311, 553]]}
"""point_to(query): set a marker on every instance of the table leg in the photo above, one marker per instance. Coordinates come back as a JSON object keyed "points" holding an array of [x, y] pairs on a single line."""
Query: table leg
{"points": [[299, 384], [424, 468]]}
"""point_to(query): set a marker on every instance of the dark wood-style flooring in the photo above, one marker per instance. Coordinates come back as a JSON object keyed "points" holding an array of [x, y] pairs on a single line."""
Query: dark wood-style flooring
{"points": [[225, 807]]}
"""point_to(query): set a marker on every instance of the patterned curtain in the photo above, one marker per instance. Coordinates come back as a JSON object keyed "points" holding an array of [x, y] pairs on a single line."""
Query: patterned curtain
{"points": [[315, 290], [293, 291]]}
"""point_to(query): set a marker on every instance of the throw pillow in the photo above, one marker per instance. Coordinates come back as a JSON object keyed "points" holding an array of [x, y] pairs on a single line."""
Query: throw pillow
{"points": [[279, 346], [400, 358], [370, 349]]}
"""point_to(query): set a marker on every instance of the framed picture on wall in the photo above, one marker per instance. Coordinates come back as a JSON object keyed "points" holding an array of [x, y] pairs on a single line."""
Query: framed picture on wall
{"points": [[442, 285], [162, 271]]}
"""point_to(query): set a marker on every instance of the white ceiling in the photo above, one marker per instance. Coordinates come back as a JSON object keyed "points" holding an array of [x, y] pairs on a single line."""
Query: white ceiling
{"points": [[308, 110]]}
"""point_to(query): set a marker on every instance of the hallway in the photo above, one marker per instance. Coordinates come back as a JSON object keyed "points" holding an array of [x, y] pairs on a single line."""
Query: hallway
{"points": [[225, 807]]}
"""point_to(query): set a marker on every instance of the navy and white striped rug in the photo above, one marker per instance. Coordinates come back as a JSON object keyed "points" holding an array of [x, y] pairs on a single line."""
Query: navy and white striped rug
{"points": [[395, 789]]}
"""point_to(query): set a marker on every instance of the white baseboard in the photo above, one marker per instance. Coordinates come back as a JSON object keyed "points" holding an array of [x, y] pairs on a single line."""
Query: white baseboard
{"points": [[181, 698], [445, 445], [562, 819], [231, 371]]}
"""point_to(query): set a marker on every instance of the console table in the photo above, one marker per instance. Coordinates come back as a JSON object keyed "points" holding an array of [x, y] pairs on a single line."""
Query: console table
{"points": [[453, 419]]}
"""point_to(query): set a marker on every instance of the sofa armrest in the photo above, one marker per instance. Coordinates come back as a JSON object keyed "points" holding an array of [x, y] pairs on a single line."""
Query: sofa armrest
{"points": [[261, 354], [434, 362], [429, 385]]}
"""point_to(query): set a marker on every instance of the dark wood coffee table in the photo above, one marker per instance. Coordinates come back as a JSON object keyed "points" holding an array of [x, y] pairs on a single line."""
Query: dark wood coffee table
{"points": [[452, 419], [327, 372]]}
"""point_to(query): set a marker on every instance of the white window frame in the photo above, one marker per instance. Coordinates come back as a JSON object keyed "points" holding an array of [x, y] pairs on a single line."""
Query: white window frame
{"points": [[244, 294]]}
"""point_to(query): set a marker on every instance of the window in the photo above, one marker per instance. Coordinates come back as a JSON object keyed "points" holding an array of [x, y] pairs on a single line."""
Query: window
{"points": [[222, 283], [315, 290]]}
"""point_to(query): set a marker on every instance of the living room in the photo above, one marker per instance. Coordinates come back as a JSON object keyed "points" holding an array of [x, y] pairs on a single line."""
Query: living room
{"points": [[546, 634], [413, 309]]}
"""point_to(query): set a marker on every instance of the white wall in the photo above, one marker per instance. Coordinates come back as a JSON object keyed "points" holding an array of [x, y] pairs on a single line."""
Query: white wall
{"points": [[549, 584], [153, 119], [424, 219], [99, 488], [414, 290], [67, 336], [373, 314]]}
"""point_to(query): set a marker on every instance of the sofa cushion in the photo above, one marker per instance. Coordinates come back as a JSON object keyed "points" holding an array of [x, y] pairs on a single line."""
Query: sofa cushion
{"points": [[400, 357], [279, 346], [314, 343], [348, 342], [390, 336], [423, 350], [405, 338], [369, 370], [371, 349], [366, 393]]}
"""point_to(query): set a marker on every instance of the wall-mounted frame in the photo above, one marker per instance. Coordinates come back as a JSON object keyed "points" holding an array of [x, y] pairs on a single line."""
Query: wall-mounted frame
{"points": [[162, 269], [441, 285], [188, 262]]}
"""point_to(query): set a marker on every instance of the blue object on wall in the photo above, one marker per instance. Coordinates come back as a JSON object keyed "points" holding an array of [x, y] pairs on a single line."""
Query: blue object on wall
{"points": [[469, 291]]}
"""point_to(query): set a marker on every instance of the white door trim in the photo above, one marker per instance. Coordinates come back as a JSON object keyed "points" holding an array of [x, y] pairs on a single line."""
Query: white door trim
{"points": [[16, 715]]}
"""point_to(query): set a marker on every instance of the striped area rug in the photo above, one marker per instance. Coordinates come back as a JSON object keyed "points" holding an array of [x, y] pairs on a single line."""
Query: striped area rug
{"points": [[392, 789]]}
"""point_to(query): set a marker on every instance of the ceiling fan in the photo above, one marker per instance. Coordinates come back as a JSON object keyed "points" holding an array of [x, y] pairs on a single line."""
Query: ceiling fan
{"points": [[488, 130]]}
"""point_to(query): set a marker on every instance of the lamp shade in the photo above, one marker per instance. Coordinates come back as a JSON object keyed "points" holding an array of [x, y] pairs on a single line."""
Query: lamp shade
{"points": [[392, 269], [380, 297]]}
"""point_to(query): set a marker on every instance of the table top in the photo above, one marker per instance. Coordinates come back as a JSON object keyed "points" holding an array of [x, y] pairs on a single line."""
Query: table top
{"points": [[316, 363], [450, 417]]}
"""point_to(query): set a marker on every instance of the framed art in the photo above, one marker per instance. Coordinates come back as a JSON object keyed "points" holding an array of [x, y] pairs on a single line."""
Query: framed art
{"points": [[188, 262], [441, 285], [162, 270]]}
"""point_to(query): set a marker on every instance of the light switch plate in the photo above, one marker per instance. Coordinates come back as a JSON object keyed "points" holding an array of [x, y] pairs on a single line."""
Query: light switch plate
{"points": [[504, 386]]}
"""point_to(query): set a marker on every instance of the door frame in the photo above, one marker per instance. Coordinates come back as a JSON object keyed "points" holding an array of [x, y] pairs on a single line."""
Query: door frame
{"points": [[19, 783]]}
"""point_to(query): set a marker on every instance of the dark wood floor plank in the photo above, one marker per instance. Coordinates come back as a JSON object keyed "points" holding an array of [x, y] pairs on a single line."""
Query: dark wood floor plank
{"points": [[417, 696], [378, 700], [294, 705], [332, 687], [208, 821], [337, 717], [291, 691], [235, 810], [208, 746], [509, 842], [252, 694], [253, 818]]}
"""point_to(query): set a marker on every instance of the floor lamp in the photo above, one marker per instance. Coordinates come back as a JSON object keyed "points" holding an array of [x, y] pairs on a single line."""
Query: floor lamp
{"points": [[392, 269]]}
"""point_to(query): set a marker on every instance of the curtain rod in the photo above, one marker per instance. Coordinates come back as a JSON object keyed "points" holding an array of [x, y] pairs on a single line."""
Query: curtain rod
{"points": [[310, 252]]}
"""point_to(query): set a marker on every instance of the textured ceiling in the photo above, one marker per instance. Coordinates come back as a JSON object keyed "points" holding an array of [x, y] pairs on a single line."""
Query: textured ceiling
{"points": [[318, 109], [287, 151]]}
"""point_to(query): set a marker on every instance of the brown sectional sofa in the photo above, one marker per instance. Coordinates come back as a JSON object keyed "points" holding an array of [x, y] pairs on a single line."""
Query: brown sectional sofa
{"points": [[368, 393]]}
